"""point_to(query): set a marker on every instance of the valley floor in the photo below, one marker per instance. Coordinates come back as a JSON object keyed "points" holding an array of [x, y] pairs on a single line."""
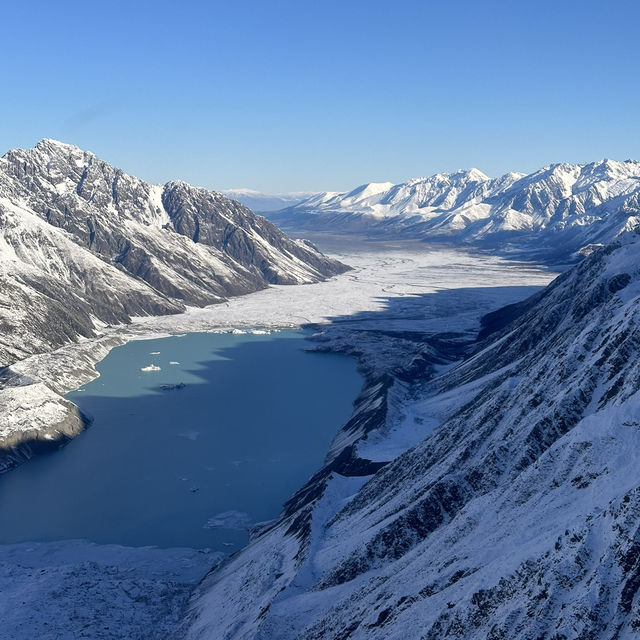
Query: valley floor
{"points": [[75, 589], [472, 284]]}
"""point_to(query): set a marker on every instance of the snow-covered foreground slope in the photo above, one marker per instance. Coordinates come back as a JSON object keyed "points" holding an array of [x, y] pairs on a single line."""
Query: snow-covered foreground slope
{"points": [[498, 498], [83, 244], [552, 212], [74, 589]]}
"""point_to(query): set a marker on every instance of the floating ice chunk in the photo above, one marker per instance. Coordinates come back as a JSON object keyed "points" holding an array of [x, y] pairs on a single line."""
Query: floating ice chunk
{"points": [[174, 362], [154, 353], [151, 367], [239, 520], [190, 435]]}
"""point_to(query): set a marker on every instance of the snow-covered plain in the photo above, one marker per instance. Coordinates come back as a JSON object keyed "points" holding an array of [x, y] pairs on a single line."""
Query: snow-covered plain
{"points": [[382, 272], [74, 589]]}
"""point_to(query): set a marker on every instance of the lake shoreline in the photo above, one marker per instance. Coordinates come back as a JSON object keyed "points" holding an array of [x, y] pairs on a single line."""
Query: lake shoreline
{"points": [[210, 433], [31, 390], [80, 361]]}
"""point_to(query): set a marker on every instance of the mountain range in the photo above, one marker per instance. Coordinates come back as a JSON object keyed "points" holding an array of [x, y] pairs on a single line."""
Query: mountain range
{"points": [[551, 213], [515, 516], [482, 488], [83, 244]]}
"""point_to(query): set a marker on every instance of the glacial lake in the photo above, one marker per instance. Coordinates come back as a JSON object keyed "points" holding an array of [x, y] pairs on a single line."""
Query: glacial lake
{"points": [[190, 466]]}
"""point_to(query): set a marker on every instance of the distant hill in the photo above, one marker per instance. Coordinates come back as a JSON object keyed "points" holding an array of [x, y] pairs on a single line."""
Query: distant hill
{"points": [[552, 212]]}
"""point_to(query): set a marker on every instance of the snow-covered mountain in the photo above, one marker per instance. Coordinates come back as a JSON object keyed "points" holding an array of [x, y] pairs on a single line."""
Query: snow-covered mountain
{"points": [[83, 243], [262, 202], [556, 210], [516, 512]]}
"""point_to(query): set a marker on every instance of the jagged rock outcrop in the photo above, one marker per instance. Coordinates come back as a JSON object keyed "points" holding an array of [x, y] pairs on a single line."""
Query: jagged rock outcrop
{"points": [[83, 243], [518, 514]]}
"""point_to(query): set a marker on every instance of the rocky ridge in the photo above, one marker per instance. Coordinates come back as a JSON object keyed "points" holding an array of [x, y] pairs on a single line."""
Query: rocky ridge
{"points": [[83, 244]]}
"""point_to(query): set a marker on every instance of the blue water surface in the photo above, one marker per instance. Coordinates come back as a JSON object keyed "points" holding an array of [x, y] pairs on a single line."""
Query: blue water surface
{"points": [[189, 466]]}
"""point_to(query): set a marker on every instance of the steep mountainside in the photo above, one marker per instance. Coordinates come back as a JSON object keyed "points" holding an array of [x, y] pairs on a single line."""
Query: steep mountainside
{"points": [[554, 211], [517, 514], [83, 243]]}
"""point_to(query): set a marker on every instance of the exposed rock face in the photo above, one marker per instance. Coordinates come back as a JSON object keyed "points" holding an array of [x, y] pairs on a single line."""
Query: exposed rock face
{"points": [[517, 516], [81, 241], [551, 213], [51, 420]]}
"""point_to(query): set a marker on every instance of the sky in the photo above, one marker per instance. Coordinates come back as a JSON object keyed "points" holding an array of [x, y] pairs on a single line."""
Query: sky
{"points": [[294, 96]]}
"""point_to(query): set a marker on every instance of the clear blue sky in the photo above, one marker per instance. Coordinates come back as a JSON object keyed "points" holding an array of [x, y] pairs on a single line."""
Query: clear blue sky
{"points": [[323, 95]]}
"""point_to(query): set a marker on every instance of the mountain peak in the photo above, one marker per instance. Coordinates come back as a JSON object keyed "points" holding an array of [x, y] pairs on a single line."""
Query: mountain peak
{"points": [[469, 175], [369, 189], [476, 174], [49, 144], [613, 168], [94, 243]]}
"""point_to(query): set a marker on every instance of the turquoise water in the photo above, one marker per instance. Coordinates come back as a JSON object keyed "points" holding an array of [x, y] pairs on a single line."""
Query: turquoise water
{"points": [[190, 466]]}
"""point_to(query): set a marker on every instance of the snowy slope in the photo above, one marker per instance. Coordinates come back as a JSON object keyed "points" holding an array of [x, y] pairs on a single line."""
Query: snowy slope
{"points": [[75, 589], [514, 510], [556, 210], [83, 244]]}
